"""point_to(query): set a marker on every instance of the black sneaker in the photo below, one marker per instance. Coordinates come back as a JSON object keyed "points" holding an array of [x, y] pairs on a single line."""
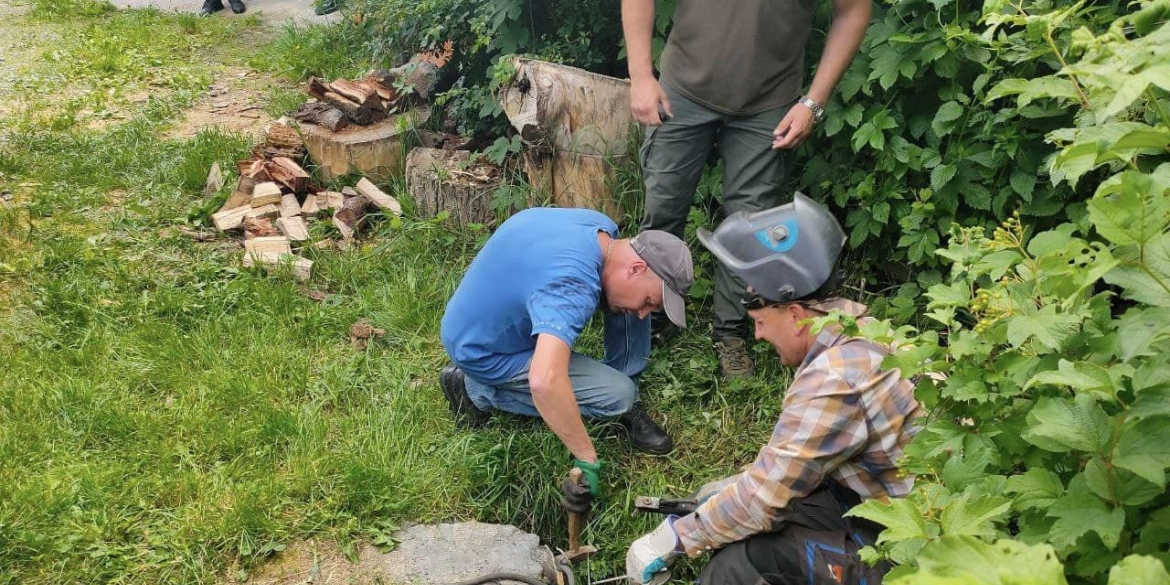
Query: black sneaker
{"points": [[467, 414], [210, 7], [237, 6], [734, 360], [645, 434]]}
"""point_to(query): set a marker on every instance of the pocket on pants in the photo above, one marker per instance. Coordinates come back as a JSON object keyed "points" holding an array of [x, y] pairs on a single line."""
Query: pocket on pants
{"points": [[647, 145]]}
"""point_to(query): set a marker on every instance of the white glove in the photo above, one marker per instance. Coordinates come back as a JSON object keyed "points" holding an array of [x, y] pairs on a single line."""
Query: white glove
{"points": [[649, 558]]}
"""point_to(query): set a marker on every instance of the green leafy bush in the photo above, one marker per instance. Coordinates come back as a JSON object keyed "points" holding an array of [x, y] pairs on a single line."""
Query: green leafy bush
{"points": [[1046, 376]]}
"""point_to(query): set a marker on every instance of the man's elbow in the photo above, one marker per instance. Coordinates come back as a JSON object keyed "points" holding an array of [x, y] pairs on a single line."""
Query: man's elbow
{"points": [[543, 383]]}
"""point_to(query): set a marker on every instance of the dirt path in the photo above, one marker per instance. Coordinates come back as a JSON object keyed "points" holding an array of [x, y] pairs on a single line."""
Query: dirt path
{"points": [[273, 12]]}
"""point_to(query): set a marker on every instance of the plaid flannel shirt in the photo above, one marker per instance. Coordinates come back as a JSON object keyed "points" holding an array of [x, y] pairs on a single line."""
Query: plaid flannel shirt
{"points": [[843, 417]]}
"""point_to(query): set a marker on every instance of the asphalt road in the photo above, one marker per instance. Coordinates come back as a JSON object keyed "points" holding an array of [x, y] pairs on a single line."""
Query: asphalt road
{"points": [[272, 11]]}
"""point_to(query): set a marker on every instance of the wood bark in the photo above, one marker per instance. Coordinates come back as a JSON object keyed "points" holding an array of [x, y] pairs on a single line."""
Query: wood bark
{"points": [[375, 151], [323, 115], [437, 181], [577, 128], [350, 215], [288, 173]]}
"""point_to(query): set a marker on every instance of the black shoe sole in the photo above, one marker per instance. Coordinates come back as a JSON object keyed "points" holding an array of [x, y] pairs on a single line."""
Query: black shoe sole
{"points": [[239, 9]]}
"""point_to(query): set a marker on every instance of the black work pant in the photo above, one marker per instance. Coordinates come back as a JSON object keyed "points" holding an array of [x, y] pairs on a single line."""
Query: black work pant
{"points": [[815, 544]]}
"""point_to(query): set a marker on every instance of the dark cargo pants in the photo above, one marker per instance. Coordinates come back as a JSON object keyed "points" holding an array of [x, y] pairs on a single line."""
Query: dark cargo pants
{"points": [[814, 544], [673, 157]]}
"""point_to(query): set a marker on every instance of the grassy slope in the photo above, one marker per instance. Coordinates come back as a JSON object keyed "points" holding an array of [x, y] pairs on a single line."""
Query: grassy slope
{"points": [[165, 413]]}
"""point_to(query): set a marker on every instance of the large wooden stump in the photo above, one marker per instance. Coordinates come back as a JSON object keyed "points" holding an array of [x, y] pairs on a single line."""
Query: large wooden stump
{"points": [[444, 180], [578, 129], [375, 150]]}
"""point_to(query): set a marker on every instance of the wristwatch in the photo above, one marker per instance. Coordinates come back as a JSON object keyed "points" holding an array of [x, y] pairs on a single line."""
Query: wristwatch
{"points": [[817, 109]]}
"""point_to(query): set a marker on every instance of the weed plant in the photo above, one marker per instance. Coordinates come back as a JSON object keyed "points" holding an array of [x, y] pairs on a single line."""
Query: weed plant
{"points": [[166, 414]]}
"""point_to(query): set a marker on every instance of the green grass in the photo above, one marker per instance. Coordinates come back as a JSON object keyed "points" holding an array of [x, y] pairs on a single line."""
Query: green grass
{"points": [[165, 413]]}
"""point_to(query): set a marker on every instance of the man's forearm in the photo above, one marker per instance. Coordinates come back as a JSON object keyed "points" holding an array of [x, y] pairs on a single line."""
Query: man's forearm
{"points": [[850, 19], [558, 407], [638, 27]]}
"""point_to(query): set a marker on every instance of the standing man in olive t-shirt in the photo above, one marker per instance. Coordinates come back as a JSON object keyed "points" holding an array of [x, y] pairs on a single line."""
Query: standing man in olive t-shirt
{"points": [[732, 74]]}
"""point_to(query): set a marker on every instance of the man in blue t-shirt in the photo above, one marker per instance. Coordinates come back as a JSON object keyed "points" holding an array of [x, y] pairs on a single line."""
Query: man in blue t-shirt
{"points": [[510, 327]]}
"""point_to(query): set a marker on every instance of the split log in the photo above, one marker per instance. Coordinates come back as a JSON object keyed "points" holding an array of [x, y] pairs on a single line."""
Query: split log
{"points": [[289, 206], [330, 200], [266, 194], [273, 244], [259, 227], [283, 140], [230, 219], [375, 151], [268, 211], [350, 215], [358, 112], [349, 191], [377, 197], [293, 228], [310, 208], [302, 268], [444, 180], [354, 92], [254, 169], [288, 173], [578, 128], [323, 115], [214, 181]]}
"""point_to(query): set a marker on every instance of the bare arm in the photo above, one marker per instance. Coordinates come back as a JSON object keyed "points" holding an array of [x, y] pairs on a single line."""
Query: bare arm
{"points": [[552, 393], [850, 19], [645, 91]]}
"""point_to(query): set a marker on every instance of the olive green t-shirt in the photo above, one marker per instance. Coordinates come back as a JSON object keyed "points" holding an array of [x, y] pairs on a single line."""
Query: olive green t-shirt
{"points": [[738, 56]]}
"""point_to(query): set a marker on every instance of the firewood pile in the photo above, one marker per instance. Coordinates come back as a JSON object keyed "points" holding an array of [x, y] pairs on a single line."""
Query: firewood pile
{"points": [[368, 100], [275, 200]]}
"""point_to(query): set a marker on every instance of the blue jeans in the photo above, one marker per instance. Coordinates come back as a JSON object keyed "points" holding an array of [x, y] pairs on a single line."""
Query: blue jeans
{"points": [[603, 389]]}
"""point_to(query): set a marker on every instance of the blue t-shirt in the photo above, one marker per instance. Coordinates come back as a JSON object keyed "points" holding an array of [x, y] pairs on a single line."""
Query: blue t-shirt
{"points": [[539, 273]]}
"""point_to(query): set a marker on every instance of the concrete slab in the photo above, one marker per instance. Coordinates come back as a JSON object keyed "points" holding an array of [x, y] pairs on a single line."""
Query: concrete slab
{"points": [[449, 553], [273, 12]]}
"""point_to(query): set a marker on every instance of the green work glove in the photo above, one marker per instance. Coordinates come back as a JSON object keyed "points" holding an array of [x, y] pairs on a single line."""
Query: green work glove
{"points": [[591, 473]]}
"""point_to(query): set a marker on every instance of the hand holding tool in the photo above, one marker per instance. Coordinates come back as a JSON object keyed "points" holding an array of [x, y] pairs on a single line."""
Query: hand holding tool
{"points": [[577, 491]]}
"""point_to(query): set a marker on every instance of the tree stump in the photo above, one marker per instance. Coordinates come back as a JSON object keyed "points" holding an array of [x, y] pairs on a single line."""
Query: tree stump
{"points": [[446, 180], [375, 150], [578, 130]]}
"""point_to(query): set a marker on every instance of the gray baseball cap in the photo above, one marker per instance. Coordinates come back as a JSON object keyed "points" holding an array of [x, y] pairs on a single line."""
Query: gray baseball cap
{"points": [[670, 259]]}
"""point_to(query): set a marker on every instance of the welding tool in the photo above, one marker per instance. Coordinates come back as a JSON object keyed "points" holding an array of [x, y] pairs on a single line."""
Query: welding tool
{"points": [[655, 505]]}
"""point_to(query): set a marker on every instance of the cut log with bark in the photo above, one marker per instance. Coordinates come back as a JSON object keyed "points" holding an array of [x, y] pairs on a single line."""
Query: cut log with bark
{"points": [[321, 114], [370, 191], [293, 228], [350, 215], [283, 140], [375, 151], [362, 112], [577, 128], [302, 268], [259, 227], [288, 173], [266, 194], [445, 180]]}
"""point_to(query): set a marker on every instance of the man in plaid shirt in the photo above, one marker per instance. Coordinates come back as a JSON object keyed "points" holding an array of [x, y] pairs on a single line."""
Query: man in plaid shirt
{"points": [[844, 424]]}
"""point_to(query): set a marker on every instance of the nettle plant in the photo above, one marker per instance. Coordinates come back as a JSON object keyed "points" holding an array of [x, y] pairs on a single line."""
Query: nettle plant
{"points": [[1043, 458]]}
